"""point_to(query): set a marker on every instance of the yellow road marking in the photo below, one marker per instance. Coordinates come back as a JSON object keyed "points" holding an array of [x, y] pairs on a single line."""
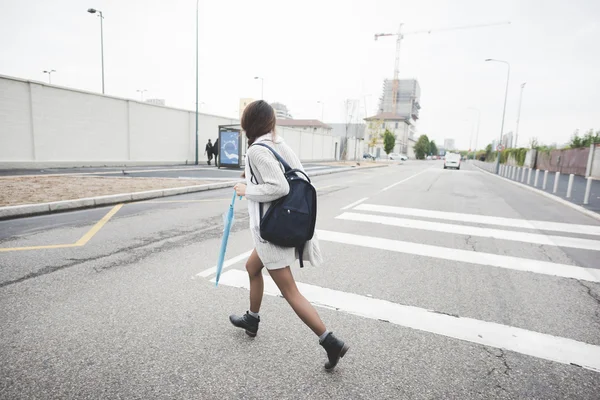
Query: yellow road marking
{"points": [[51, 246], [81, 242], [90, 234]]}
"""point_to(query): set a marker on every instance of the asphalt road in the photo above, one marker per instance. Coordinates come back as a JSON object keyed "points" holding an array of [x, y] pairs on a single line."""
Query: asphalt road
{"points": [[435, 299]]}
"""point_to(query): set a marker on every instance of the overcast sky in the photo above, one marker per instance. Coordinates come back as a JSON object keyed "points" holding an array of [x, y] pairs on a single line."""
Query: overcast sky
{"points": [[309, 51]]}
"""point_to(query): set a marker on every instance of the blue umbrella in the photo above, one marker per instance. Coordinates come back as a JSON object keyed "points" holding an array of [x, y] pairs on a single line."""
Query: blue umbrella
{"points": [[228, 219]]}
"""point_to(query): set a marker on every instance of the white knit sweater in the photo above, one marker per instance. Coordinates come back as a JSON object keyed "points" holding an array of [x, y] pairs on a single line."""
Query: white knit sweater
{"points": [[271, 186]]}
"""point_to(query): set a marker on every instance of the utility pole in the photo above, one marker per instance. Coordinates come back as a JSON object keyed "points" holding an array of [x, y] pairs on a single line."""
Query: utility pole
{"points": [[93, 11], [519, 114], [141, 92], [477, 131], [322, 109], [262, 87], [503, 110], [49, 72], [197, 1]]}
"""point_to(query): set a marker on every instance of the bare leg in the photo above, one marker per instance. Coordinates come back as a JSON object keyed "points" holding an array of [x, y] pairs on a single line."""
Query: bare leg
{"points": [[285, 282], [254, 267]]}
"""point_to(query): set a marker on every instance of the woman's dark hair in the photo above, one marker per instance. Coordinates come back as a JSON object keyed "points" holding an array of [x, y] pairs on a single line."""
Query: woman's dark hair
{"points": [[258, 119]]}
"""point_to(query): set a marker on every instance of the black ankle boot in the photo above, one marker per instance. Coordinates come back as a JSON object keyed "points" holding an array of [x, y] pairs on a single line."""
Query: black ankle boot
{"points": [[335, 349], [247, 322]]}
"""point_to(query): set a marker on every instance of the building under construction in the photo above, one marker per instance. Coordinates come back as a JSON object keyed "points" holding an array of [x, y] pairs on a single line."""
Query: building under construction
{"points": [[407, 98]]}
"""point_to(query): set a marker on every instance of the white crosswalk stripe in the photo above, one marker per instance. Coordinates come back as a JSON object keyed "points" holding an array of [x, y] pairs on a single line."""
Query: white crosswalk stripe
{"points": [[467, 256], [483, 219], [475, 231]]}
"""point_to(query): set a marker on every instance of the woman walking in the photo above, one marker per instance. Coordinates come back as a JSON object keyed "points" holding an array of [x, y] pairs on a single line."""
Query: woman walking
{"points": [[265, 183]]}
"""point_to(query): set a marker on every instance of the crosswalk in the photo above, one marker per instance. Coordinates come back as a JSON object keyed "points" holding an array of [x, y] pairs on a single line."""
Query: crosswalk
{"points": [[382, 218]]}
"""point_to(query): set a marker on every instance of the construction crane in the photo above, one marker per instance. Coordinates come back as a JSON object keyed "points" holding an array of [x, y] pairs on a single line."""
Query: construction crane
{"points": [[400, 35]]}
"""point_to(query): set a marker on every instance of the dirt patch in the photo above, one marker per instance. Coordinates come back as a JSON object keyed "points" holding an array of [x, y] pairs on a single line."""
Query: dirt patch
{"points": [[42, 189]]}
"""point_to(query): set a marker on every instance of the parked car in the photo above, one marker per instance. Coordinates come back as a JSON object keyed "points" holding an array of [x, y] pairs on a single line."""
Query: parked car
{"points": [[397, 156], [452, 161], [367, 156]]}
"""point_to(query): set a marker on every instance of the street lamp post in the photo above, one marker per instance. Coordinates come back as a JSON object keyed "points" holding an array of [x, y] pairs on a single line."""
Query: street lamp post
{"points": [[519, 113], [141, 92], [49, 72], [94, 11], [503, 110], [197, 1], [477, 131], [262, 87], [322, 110]]}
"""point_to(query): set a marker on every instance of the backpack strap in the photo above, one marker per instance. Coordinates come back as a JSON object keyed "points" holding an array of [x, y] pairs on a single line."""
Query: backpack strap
{"points": [[286, 166]]}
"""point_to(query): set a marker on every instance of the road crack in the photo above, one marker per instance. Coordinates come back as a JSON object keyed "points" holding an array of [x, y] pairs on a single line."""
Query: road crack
{"points": [[501, 357], [468, 243], [594, 296]]}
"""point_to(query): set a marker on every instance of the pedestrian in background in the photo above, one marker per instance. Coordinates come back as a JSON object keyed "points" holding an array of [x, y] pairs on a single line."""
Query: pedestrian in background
{"points": [[216, 152], [265, 183], [208, 151]]}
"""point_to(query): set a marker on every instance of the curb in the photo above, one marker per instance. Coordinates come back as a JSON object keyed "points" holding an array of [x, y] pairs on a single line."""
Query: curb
{"points": [[28, 210], [581, 209]]}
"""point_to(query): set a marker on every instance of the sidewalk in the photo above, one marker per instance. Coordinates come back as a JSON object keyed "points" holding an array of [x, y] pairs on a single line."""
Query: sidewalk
{"points": [[577, 192]]}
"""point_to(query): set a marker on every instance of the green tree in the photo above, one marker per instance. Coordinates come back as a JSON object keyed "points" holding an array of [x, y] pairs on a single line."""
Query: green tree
{"points": [[375, 127], [433, 150], [488, 151], [585, 140], [389, 141], [421, 147]]}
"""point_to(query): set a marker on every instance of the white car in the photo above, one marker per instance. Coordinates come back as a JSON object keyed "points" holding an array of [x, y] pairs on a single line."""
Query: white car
{"points": [[397, 156], [452, 161]]}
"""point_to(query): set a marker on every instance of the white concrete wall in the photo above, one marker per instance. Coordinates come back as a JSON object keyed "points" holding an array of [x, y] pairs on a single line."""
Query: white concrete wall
{"points": [[43, 125], [48, 126], [291, 137], [16, 134], [595, 167]]}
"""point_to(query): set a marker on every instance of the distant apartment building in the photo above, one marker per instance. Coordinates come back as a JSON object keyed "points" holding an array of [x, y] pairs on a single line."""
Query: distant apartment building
{"points": [[408, 98], [507, 140], [157, 102], [399, 119], [398, 125], [281, 111], [449, 145]]}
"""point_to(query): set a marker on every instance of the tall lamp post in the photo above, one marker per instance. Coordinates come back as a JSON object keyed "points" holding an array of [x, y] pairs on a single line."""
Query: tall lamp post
{"points": [[49, 72], [477, 131], [519, 114], [322, 109], [197, 1], [262, 87], [141, 92], [503, 110], [93, 11]]}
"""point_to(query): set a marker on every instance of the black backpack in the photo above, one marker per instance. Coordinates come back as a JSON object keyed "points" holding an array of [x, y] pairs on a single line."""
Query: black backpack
{"points": [[290, 221]]}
